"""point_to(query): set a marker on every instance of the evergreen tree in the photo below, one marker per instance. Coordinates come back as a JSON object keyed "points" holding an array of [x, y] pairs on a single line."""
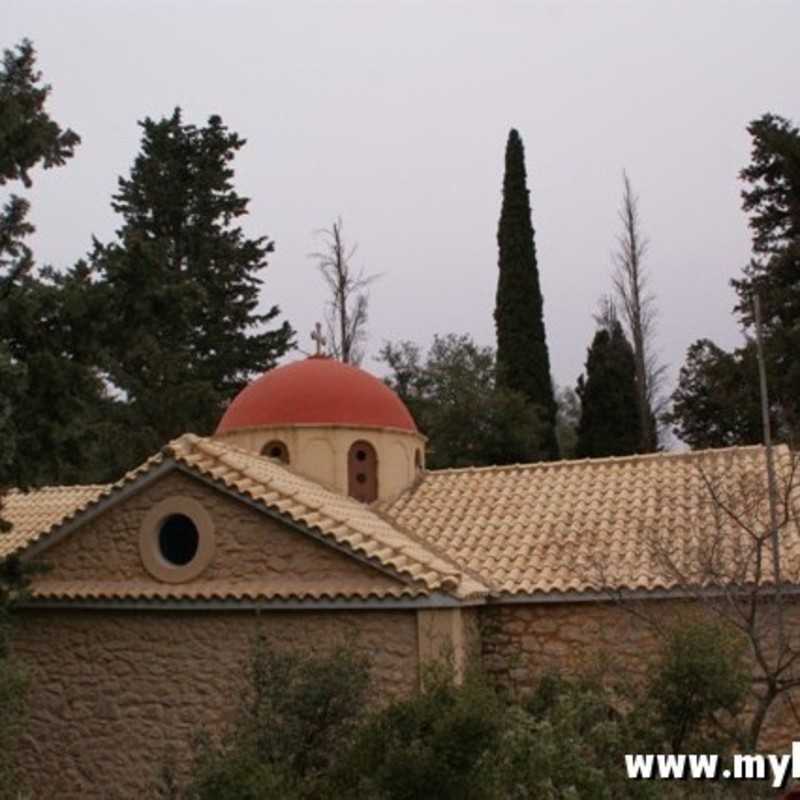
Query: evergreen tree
{"points": [[47, 393], [610, 423], [181, 287], [717, 399], [522, 357], [29, 137], [772, 198], [717, 402]]}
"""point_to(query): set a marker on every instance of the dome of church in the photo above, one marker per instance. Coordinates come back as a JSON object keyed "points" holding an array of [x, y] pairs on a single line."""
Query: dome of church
{"points": [[317, 391]]}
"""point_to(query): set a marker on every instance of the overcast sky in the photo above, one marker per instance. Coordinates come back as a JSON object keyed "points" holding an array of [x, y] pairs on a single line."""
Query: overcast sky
{"points": [[395, 116]]}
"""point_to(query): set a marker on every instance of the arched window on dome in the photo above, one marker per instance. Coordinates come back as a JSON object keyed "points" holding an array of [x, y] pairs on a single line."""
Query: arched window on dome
{"points": [[276, 449], [362, 472]]}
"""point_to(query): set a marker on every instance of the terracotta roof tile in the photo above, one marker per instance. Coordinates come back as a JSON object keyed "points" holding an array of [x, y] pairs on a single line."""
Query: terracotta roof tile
{"points": [[643, 522], [342, 519], [339, 519], [32, 514], [272, 589]]}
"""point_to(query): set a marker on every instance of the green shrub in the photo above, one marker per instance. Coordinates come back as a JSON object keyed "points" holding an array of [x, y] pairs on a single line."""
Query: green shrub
{"points": [[439, 743], [567, 741], [295, 726], [702, 675], [303, 733]]}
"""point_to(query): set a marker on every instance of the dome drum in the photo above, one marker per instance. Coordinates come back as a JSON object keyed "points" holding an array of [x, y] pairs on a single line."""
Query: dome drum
{"points": [[333, 423]]}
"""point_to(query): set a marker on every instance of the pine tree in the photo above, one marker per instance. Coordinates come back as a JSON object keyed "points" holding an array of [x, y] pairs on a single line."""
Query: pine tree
{"points": [[772, 198], [522, 356], [181, 286], [48, 393], [610, 423], [717, 401]]}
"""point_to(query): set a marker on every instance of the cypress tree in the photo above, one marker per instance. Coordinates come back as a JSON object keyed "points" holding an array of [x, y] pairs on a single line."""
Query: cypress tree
{"points": [[610, 424], [522, 358]]}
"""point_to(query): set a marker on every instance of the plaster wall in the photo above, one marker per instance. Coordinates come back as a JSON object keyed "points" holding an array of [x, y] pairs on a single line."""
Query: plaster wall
{"points": [[320, 452]]}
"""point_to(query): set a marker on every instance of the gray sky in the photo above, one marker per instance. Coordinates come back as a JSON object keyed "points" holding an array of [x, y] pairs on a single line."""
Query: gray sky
{"points": [[395, 115]]}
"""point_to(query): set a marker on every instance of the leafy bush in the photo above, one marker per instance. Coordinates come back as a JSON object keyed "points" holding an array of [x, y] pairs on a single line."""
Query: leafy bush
{"points": [[296, 724], [702, 675], [441, 742], [304, 734], [567, 741]]}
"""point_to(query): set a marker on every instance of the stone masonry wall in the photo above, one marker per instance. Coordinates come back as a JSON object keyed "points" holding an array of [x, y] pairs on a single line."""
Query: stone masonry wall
{"points": [[520, 642], [112, 693]]}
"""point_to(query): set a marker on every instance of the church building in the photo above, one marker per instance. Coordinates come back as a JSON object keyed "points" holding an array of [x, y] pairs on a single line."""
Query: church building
{"points": [[309, 517]]}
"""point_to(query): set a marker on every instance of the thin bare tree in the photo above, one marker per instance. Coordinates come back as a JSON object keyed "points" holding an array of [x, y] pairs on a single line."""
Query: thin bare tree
{"points": [[346, 310], [736, 558], [638, 311]]}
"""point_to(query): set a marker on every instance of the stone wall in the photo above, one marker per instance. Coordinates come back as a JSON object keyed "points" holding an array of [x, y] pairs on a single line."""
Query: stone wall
{"points": [[520, 642], [112, 693]]}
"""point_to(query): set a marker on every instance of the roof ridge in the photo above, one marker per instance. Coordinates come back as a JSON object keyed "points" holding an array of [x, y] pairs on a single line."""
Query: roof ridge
{"points": [[564, 462]]}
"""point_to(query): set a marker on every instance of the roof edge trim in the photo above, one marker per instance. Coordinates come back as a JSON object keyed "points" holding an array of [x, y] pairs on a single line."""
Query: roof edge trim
{"points": [[436, 600], [624, 595], [115, 494]]}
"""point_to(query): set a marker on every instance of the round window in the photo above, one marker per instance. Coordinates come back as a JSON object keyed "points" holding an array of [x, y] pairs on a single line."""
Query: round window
{"points": [[176, 539], [276, 449]]}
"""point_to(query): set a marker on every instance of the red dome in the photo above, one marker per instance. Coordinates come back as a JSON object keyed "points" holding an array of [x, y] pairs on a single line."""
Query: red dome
{"points": [[317, 391]]}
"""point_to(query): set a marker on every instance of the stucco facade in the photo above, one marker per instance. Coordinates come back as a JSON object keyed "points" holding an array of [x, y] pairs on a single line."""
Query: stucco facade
{"points": [[249, 547]]}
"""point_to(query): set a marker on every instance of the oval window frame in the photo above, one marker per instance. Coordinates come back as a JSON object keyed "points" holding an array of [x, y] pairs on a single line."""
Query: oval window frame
{"points": [[150, 530]]}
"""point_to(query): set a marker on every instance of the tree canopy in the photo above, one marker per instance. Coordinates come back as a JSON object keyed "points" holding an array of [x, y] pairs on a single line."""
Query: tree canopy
{"points": [[523, 361], [610, 420], [716, 401], [44, 390], [454, 397], [180, 286]]}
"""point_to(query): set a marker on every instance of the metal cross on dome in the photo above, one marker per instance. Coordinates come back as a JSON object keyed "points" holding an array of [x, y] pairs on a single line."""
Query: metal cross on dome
{"points": [[319, 340]]}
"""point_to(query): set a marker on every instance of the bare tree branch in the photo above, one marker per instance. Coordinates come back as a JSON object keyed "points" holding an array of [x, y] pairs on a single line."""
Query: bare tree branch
{"points": [[346, 310], [638, 312]]}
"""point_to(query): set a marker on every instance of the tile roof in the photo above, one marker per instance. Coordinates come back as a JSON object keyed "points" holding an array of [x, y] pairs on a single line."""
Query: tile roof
{"points": [[215, 590], [642, 522], [341, 520], [33, 514]]}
